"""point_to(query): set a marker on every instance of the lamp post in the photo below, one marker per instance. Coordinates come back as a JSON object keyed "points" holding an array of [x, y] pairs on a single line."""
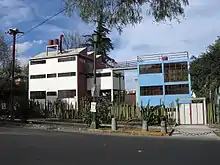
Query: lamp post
{"points": [[13, 32], [94, 92]]}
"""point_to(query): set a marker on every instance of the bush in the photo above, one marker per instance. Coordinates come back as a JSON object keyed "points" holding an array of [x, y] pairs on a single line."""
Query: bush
{"points": [[103, 110]]}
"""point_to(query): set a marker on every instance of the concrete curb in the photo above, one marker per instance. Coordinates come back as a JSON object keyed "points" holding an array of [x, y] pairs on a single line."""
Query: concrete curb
{"points": [[129, 132]]}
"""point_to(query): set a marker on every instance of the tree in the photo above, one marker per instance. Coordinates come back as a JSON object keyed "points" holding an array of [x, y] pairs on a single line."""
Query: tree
{"points": [[6, 59], [104, 43], [205, 70], [119, 13], [74, 40], [4, 56]]}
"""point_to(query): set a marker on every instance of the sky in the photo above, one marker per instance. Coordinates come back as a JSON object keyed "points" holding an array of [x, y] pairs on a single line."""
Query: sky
{"points": [[194, 33]]}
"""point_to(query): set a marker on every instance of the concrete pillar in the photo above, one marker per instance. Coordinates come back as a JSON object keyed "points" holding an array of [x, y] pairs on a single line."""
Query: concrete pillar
{"points": [[144, 125], [114, 124], [112, 89], [163, 127], [137, 91]]}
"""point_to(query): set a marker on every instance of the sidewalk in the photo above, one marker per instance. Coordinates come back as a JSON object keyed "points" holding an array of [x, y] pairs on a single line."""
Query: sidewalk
{"points": [[194, 131], [132, 129]]}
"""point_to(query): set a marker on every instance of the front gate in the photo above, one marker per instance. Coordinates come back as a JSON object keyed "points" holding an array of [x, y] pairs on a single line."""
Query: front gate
{"points": [[192, 113]]}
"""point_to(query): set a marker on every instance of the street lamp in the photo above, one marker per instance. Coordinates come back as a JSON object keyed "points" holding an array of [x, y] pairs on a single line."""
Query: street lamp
{"points": [[94, 90], [13, 32]]}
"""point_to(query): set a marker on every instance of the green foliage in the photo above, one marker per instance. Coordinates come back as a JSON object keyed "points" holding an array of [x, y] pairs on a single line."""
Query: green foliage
{"points": [[152, 114], [119, 13], [103, 111], [205, 70], [104, 44]]}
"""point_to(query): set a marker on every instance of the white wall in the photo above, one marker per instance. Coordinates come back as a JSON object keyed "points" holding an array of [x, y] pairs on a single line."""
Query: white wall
{"points": [[53, 84], [103, 82]]}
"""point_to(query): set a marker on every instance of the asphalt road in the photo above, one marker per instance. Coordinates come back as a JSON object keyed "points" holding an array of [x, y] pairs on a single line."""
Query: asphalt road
{"points": [[31, 147]]}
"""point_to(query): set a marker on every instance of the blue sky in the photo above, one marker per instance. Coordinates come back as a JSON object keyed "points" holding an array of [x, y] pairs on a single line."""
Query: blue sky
{"points": [[196, 31]]}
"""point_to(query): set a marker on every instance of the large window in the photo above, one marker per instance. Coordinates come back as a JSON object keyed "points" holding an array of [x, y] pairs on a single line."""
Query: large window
{"points": [[151, 90], [37, 94], [66, 74], [175, 72], [35, 62], [177, 89], [66, 93], [65, 59], [150, 68], [39, 76], [52, 75]]}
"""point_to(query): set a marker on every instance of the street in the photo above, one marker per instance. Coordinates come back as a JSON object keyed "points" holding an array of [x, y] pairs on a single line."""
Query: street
{"points": [[34, 147]]}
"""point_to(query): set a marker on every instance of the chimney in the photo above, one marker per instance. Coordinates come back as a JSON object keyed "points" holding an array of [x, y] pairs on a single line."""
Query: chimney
{"points": [[61, 43]]}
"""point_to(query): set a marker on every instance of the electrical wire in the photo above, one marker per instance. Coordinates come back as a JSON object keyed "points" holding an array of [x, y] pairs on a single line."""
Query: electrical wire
{"points": [[38, 25]]}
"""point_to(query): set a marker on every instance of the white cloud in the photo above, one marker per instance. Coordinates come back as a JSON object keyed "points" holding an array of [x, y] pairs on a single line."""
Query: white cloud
{"points": [[14, 11], [199, 29], [23, 47], [193, 34]]}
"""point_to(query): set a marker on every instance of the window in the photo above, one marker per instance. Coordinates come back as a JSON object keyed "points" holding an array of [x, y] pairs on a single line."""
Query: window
{"points": [[90, 75], [38, 95], [66, 93], [52, 75], [35, 62], [103, 74], [175, 72], [51, 93], [39, 76], [177, 89], [151, 90], [65, 59], [150, 68], [67, 74]]}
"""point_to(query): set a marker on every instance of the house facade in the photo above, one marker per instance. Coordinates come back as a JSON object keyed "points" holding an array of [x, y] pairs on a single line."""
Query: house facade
{"points": [[67, 75], [163, 78]]}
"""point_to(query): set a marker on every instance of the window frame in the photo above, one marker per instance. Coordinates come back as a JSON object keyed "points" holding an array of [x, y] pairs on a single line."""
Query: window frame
{"points": [[66, 59], [38, 76], [37, 62], [66, 74], [38, 97], [176, 90], [176, 71], [53, 75], [50, 93], [144, 90], [145, 68], [66, 90], [107, 74]]}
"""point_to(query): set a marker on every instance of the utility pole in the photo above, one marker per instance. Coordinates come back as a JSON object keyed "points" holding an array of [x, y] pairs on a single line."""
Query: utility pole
{"points": [[13, 32], [95, 39]]}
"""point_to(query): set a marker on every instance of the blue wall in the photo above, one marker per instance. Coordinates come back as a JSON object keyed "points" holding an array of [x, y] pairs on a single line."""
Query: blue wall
{"points": [[158, 79]]}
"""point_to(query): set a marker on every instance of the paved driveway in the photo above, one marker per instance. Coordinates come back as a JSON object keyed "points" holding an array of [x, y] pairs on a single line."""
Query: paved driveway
{"points": [[195, 131]]}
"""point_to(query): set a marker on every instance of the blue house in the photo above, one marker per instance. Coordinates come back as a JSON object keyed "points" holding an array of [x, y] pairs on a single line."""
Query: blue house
{"points": [[163, 77]]}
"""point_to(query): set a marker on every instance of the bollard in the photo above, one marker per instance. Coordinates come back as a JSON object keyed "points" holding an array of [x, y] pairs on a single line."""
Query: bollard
{"points": [[163, 127], [144, 125], [114, 124]]}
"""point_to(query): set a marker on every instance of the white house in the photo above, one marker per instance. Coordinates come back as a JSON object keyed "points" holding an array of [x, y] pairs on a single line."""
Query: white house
{"points": [[67, 74]]}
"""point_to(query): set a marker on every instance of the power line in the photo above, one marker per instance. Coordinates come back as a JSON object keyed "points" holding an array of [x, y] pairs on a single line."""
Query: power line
{"points": [[38, 25]]}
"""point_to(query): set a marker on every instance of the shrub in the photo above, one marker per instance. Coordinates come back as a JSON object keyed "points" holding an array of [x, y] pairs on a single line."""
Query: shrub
{"points": [[103, 110]]}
